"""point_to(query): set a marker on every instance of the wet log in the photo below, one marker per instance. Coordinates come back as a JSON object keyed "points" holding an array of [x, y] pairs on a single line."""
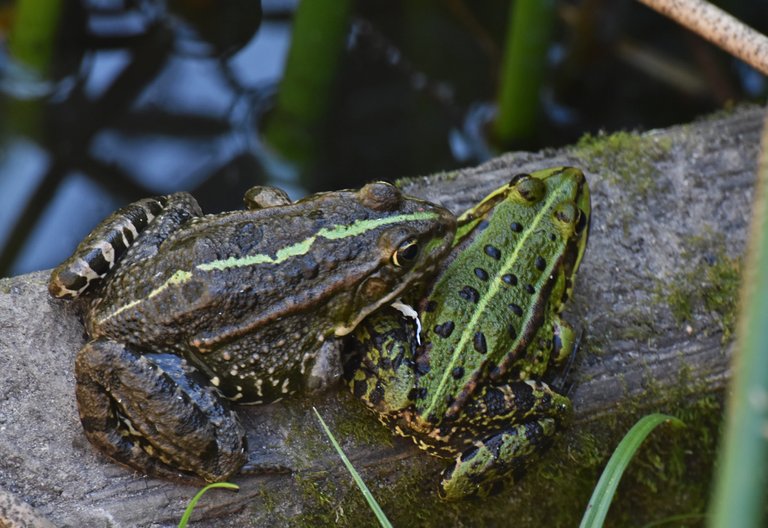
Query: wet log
{"points": [[656, 299]]}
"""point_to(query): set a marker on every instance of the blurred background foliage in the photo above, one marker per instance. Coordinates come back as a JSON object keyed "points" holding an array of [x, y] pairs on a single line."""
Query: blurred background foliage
{"points": [[106, 101]]}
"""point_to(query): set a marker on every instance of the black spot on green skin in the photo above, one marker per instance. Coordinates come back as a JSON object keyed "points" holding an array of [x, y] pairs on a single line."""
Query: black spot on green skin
{"points": [[495, 402], [516, 227], [421, 367], [445, 329], [492, 251], [468, 293], [557, 345], [511, 331], [510, 279], [516, 309], [479, 343], [540, 263], [417, 393], [530, 289], [457, 372], [431, 306], [523, 397], [483, 225], [481, 274]]}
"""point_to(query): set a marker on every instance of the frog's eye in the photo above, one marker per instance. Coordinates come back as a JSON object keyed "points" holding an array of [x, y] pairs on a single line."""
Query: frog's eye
{"points": [[406, 254]]}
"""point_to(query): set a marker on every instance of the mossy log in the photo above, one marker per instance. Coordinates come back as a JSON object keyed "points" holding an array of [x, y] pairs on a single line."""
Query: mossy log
{"points": [[656, 299]]}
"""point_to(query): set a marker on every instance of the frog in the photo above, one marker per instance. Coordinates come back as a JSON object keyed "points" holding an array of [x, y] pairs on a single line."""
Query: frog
{"points": [[462, 367], [187, 314]]}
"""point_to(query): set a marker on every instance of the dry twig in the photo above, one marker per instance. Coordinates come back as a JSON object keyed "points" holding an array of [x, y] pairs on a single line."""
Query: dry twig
{"points": [[719, 27]]}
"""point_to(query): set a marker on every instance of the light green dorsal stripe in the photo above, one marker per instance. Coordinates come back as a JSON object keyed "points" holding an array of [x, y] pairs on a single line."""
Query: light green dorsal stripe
{"points": [[481, 306], [179, 277], [336, 232], [299, 248]]}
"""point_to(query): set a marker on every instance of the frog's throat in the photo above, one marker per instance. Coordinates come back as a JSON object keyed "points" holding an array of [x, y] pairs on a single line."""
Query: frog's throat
{"points": [[356, 228], [489, 294]]}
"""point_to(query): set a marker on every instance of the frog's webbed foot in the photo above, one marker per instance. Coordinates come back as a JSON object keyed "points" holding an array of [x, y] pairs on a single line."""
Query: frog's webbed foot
{"points": [[152, 219], [157, 414], [522, 418]]}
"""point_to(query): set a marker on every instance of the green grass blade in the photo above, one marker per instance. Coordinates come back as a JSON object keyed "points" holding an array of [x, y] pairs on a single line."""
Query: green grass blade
{"points": [[603, 493], [191, 506], [742, 478], [356, 476]]}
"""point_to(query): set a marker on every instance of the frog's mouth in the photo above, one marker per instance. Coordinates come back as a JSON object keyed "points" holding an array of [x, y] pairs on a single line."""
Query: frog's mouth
{"points": [[437, 243], [389, 298]]}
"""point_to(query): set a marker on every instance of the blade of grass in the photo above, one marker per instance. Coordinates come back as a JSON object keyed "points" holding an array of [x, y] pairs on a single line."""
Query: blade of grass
{"points": [[356, 476], [742, 477], [603, 493], [191, 506]]}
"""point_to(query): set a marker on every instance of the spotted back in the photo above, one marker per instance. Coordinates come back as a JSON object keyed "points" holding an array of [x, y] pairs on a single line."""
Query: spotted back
{"points": [[515, 259]]}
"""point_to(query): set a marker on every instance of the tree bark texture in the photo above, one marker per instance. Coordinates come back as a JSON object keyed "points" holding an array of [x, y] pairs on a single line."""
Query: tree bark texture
{"points": [[655, 299]]}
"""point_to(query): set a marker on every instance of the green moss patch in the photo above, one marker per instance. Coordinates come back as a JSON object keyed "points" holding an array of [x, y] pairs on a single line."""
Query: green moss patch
{"points": [[625, 158], [710, 284]]}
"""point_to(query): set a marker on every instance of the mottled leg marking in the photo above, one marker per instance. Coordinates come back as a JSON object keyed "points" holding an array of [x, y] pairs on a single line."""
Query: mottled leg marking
{"points": [[103, 248], [157, 414], [522, 417]]}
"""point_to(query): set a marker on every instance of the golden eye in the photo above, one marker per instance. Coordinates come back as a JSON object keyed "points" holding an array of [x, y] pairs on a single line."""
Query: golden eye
{"points": [[406, 254]]}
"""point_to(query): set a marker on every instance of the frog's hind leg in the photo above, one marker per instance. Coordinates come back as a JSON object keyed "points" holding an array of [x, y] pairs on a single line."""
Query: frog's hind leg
{"points": [[104, 247], [157, 414], [511, 424]]}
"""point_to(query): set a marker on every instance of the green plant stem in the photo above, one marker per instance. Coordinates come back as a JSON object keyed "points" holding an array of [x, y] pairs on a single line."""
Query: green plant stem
{"points": [[372, 504], [319, 34], [523, 65], [742, 480], [199, 495]]}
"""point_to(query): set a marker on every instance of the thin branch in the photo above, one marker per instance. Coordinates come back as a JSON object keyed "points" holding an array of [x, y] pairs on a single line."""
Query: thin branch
{"points": [[718, 27]]}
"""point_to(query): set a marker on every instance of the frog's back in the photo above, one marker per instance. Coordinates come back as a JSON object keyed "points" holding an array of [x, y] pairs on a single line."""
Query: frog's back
{"points": [[497, 295], [230, 273]]}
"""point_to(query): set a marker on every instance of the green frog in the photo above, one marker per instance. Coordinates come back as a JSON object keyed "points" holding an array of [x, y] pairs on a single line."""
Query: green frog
{"points": [[467, 383], [187, 312]]}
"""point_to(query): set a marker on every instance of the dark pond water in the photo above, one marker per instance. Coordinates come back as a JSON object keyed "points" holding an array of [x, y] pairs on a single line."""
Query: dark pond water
{"points": [[106, 101]]}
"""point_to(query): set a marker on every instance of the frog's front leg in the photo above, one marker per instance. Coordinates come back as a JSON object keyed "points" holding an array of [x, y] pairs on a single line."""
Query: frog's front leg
{"points": [[156, 413], [114, 240], [511, 424]]}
